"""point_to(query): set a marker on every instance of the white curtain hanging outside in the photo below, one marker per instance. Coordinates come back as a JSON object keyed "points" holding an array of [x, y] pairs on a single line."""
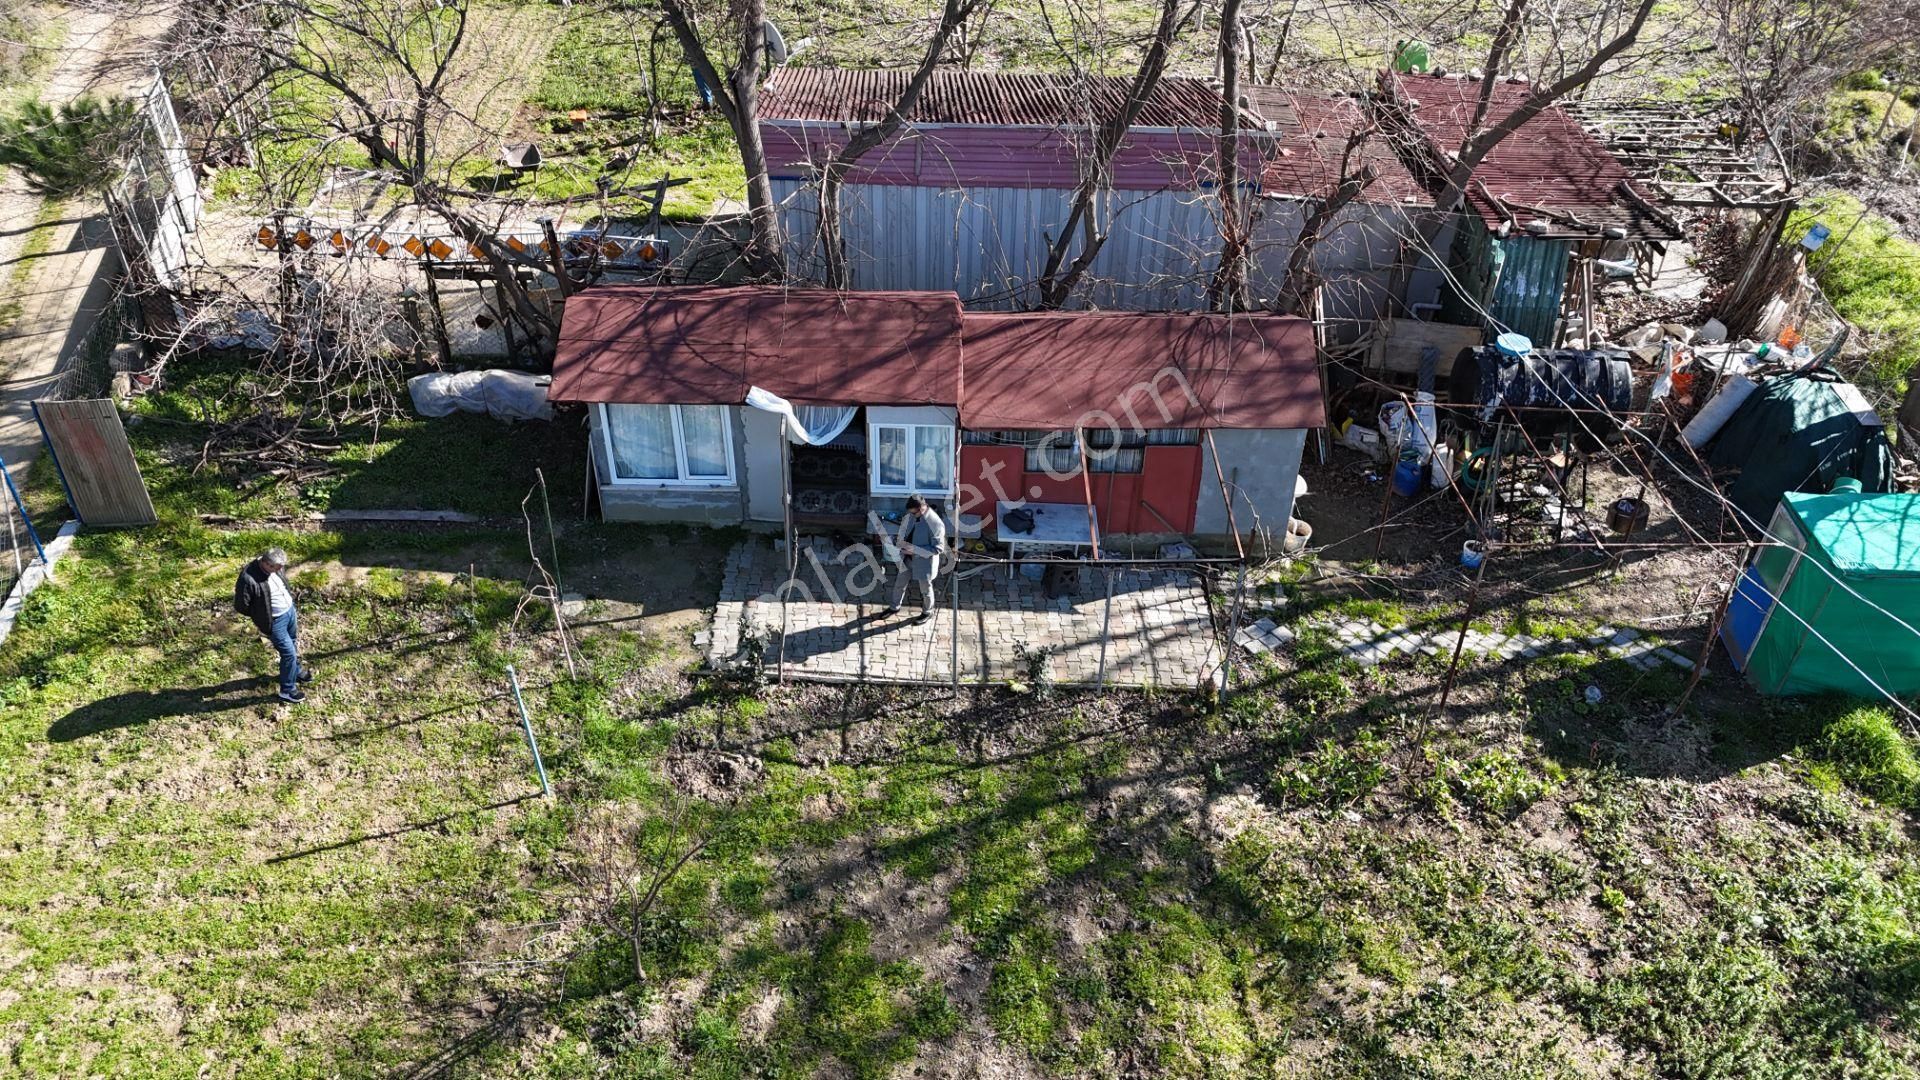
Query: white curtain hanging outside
{"points": [[809, 425]]}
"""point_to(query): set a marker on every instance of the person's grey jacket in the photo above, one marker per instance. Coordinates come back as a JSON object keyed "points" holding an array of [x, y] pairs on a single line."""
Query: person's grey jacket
{"points": [[923, 542], [251, 597]]}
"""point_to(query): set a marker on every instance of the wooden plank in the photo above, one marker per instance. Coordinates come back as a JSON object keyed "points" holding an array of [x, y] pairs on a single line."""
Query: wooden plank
{"points": [[1397, 344], [96, 462]]}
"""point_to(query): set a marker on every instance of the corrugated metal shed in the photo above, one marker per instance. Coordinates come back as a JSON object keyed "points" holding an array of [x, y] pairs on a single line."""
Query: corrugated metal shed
{"points": [[1524, 296], [989, 245], [994, 98], [1550, 169]]}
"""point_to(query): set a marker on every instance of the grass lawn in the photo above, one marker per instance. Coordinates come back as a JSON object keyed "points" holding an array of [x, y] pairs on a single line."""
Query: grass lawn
{"points": [[1311, 880]]}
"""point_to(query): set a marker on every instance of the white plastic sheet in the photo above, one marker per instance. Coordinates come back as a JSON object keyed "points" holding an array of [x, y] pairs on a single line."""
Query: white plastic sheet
{"points": [[504, 395], [808, 425]]}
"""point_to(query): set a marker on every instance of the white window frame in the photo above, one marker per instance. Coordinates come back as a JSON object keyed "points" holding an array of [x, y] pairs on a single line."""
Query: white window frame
{"points": [[679, 456], [913, 455]]}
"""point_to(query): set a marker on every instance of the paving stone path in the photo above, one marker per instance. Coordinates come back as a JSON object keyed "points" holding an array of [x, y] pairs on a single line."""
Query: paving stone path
{"points": [[1368, 643], [1160, 632]]}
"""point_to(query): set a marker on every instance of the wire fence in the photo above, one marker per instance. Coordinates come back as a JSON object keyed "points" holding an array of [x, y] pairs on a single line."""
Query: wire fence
{"points": [[89, 372]]}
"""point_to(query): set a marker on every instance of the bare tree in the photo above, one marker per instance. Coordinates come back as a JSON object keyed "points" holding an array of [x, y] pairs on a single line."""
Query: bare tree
{"points": [[736, 93], [387, 71], [953, 16], [1356, 174], [625, 867], [1786, 56], [1454, 171], [1228, 290], [1084, 232]]}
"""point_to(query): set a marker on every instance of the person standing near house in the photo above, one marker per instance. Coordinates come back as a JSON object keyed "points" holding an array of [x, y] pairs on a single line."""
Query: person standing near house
{"points": [[262, 595], [923, 540]]}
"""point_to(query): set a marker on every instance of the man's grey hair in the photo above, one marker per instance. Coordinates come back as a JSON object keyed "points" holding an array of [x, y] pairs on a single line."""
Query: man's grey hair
{"points": [[275, 556]]}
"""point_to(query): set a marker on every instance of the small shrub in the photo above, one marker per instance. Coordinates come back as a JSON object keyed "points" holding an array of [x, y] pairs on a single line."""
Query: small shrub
{"points": [[1334, 774], [1496, 784], [1036, 663]]}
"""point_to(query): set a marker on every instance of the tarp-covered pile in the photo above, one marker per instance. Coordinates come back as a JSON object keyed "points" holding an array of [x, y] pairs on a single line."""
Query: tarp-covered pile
{"points": [[1801, 433]]}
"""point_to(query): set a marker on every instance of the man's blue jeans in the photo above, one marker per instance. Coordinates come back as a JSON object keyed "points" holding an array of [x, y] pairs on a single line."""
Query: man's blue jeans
{"points": [[285, 634]]}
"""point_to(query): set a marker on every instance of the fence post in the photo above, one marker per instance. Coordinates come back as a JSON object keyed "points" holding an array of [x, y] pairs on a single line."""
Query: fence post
{"points": [[526, 725], [32, 534]]}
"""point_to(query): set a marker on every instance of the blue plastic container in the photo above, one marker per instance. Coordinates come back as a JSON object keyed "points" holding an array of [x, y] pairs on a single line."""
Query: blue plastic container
{"points": [[1407, 476]]}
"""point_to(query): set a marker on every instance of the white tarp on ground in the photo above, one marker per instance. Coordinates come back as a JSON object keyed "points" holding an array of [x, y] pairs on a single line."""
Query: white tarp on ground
{"points": [[505, 395]]}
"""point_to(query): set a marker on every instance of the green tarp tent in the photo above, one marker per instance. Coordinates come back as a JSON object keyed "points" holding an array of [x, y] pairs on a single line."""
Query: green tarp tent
{"points": [[1801, 433], [1844, 577]]}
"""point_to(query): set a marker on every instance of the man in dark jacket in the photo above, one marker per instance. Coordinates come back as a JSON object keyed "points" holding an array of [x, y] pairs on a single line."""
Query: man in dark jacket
{"points": [[262, 595]]}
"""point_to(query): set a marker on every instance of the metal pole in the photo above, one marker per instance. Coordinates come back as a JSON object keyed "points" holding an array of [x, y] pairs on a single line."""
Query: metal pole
{"points": [[1106, 632], [1466, 618], [553, 539], [526, 725], [14, 492], [1233, 628], [954, 573], [786, 511]]}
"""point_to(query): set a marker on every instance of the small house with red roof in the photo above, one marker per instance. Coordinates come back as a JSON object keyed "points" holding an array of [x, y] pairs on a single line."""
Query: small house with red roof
{"points": [[1162, 423]]}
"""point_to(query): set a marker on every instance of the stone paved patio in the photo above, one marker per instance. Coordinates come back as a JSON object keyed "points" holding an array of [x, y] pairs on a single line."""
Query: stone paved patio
{"points": [[1367, 643], [1161, 633]]}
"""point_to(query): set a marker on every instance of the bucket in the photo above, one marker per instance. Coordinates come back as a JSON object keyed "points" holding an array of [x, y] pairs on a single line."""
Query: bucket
{"points": [[1407, 476], [1627, 516], [1847, 485], [1441, 474], [1298, 533], [1471, 553]]}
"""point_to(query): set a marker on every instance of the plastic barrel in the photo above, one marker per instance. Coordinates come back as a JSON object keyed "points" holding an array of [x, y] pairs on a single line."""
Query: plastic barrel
{"points": [[1407, 476]]}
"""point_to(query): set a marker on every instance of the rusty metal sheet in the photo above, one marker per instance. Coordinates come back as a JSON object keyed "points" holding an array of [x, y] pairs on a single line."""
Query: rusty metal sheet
{"points": [[90, 449], [995, 98]]}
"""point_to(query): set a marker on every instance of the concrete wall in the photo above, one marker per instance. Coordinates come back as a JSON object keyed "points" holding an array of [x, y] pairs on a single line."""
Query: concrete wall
{"points": [[1261, 466], [693, 505]]}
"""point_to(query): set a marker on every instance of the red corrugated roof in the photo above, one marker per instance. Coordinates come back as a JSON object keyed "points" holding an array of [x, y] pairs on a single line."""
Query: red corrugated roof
{"points": [[1051, 370], [1311, 132], [706, 346], [1549, 168], [986, 98]]}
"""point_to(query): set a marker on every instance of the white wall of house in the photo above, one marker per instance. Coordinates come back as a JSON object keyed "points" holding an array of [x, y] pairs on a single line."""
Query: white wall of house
{"points": [[763, 460], [709, 504], [756, 493], [1260, 466]]}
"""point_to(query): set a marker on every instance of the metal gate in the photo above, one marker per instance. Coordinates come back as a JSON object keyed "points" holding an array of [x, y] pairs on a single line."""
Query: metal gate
{"points": [[96, 465]]}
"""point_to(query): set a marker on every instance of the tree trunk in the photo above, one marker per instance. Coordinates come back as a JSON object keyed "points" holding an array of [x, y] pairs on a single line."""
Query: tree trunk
{"points": [[1228, 290], [1482, 138], [1296, 289], [737, 96], [953, 16], [1060, 276]]}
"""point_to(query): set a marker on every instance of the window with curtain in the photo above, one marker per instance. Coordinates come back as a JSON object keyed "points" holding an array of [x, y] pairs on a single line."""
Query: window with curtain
{"points": [[912, 458], [669, 444], [1108, 451]]}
